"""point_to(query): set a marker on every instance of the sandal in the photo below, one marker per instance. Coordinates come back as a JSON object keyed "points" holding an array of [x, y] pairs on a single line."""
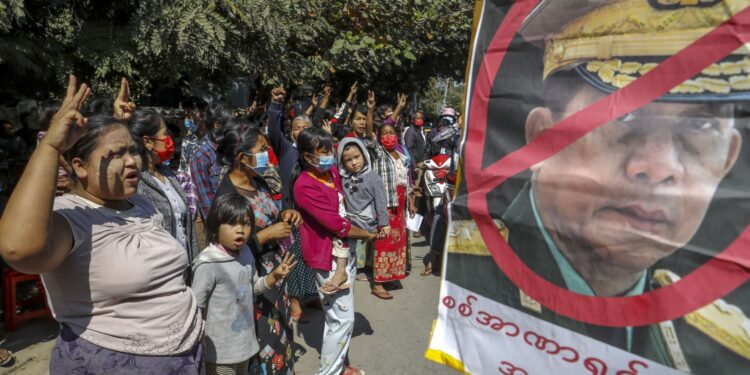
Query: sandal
{"points": [[427, 271], [382, 295], [6, 356], [330, 288], [362, 277]]}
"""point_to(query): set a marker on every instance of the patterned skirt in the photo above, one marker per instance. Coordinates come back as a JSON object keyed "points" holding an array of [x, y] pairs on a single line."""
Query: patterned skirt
{"points": [[389, 256]]}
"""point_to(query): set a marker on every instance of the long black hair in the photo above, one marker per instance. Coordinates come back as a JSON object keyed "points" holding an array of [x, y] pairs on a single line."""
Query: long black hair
{"points": [[217, 114], [309, 141], [239, 135], [228, 209]]}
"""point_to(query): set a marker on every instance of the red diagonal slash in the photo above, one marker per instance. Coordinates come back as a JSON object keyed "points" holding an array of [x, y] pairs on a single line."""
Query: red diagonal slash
{"points": [[713, 280]]}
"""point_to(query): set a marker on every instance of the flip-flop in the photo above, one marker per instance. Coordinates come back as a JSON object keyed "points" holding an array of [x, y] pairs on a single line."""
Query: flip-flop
{"points": [[382, 295], [427, 271], [362, 277], [6, 356], [329, 289]]}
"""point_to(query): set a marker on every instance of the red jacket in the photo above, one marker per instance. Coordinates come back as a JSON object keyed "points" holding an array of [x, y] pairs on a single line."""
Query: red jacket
{"points": [[319, 206]]}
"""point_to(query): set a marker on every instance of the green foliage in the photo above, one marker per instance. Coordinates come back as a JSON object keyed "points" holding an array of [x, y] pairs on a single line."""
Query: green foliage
{"points": [[433, 93], [163, 44]]}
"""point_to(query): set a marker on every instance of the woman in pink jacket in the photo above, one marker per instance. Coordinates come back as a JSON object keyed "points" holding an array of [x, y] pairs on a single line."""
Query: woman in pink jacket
{"points": [[319, 198]]}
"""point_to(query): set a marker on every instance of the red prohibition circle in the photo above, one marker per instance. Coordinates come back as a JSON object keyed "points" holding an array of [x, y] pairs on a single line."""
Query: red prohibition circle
{"points": [[716, 278]]}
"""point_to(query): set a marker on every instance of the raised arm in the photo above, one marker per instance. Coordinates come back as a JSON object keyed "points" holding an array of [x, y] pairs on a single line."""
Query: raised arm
{"points": [[399, 107], [370, 113], [326, 97], [353, 92], [313, 104], [279, 143], [33, 239]]}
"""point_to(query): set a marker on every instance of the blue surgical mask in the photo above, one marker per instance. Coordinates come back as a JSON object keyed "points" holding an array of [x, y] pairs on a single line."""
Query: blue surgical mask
{"points": [[261, 162], [325, 163], [190, 125]]}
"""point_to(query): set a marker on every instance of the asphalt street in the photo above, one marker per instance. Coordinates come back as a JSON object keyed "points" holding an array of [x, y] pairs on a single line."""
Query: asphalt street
{"points": [[390, 337]]}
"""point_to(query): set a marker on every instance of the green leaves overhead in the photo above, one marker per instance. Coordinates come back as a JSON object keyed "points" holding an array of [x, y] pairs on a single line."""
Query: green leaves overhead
{"points": [[165, 44]]}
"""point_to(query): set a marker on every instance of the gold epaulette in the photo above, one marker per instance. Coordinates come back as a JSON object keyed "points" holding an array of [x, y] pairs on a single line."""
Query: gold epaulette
{"points": [[724, 323], [464, 237]]}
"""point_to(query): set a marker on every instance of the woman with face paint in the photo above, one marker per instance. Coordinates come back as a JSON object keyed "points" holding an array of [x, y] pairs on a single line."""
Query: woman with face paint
{"points": [[159, 184], [319, 196], [113, 275], [244, 150]]}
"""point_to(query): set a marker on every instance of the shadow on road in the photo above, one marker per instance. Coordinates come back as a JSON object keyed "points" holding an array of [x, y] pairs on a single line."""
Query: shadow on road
{"points": [[312, 331]]}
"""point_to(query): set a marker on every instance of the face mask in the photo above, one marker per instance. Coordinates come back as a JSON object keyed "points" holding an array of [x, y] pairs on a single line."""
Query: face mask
{"points": [[419, 123], [389, 141], [190, 125], [325, 163], [261, 163], [166, 154]]}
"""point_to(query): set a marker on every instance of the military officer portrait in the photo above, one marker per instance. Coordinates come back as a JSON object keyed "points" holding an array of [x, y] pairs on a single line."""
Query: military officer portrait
{"points": [[600, 217]]}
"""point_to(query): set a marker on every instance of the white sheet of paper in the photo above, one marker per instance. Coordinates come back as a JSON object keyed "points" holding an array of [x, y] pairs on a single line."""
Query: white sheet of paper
{"points": [[413, 222]]}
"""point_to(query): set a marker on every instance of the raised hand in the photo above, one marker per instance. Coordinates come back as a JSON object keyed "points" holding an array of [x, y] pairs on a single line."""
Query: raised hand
{"points": [[402, 100], [278, 94], [123, 107], [314, 100], [370, 99], [67, 126], [353, 91], [327, 126], [282, 270]]}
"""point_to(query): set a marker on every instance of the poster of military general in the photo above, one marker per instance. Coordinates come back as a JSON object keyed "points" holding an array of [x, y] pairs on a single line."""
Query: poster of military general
{"points": [[600, 225]]}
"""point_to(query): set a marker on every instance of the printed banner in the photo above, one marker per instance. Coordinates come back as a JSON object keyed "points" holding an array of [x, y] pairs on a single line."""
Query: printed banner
{"points": [[601, 223]]}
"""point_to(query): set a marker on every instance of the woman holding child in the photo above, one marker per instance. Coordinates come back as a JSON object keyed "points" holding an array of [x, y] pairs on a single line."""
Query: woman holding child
{"points": [[319, 195], [244, 149]]}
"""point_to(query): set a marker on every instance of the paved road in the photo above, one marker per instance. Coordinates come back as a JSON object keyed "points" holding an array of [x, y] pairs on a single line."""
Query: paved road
{"points": [[390, 337]]}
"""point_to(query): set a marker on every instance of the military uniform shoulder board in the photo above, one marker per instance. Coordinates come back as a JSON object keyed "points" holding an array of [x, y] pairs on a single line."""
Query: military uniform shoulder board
{"points": [[464, 237], [724, 323]]}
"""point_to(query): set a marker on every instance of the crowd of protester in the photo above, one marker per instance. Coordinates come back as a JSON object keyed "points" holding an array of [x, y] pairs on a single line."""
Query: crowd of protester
{"points": [[168, 251]]}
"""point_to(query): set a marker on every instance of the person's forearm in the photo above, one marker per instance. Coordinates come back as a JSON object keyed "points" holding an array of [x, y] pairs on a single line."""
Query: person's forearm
{"points": [[396, 113], [263, 236], [26, 224], [309, 110], [370, 121], [324, 101], [359, 233]]}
